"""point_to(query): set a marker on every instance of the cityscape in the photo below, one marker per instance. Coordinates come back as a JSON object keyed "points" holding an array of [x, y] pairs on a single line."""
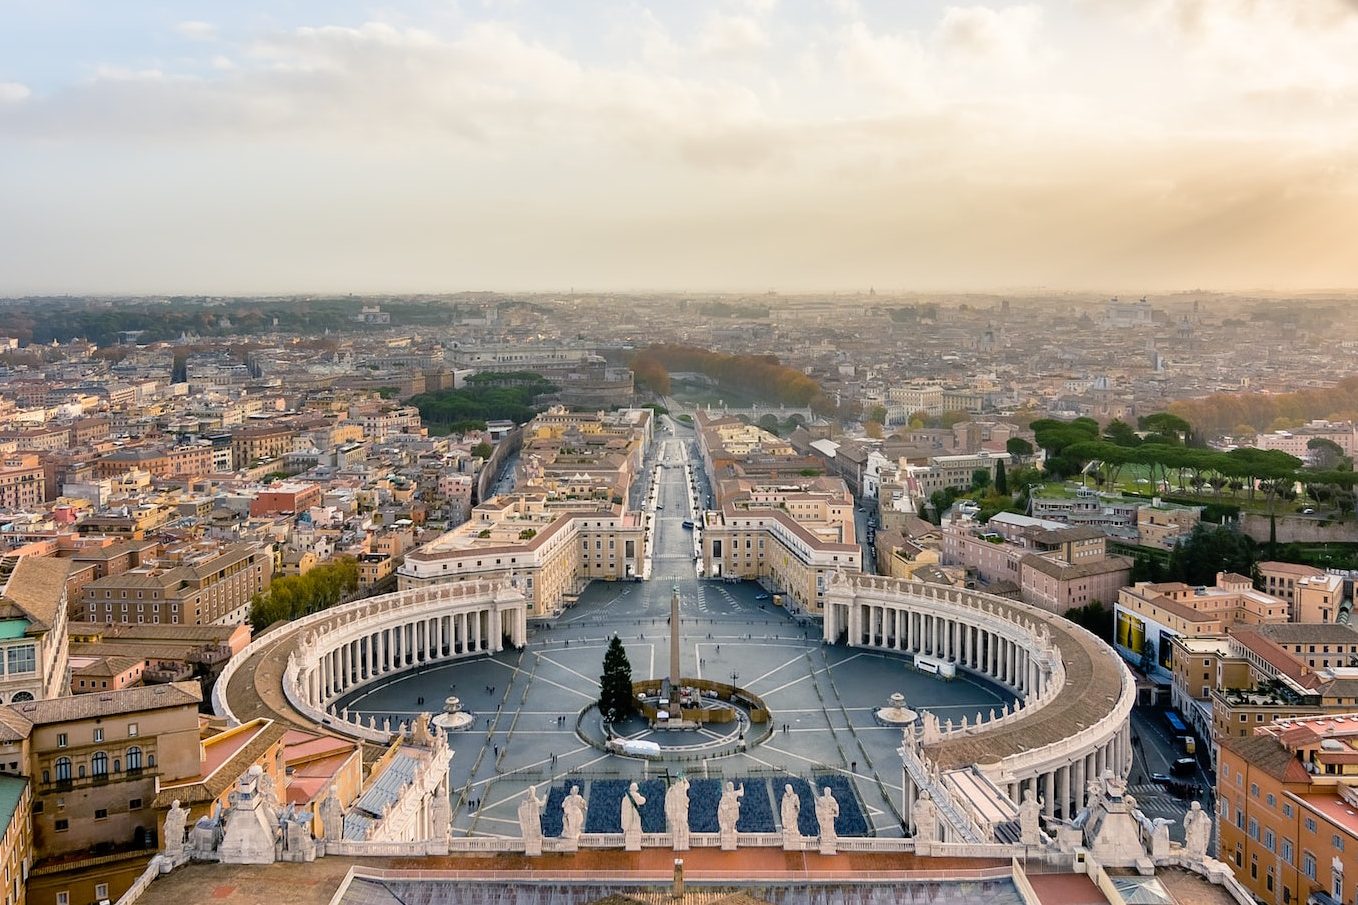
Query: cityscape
{"points": [[505, 453]]}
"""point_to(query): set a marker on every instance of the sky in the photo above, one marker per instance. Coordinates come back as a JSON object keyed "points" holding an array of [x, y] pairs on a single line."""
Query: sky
{"points": [[151, 146]]}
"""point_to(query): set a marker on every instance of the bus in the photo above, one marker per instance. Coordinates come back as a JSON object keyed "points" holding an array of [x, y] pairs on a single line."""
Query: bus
{"points": [[1176, 724]]}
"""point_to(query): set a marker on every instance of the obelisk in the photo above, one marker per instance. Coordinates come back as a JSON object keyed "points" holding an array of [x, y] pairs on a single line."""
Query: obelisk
{"points": [[674, 641]]}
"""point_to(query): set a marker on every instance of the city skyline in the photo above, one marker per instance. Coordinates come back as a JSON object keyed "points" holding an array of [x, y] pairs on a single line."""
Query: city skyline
{"points": [[739, 146]]}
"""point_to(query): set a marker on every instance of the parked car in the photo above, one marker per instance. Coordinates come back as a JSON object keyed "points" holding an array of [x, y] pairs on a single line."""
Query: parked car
{"points": [[761, 597]]}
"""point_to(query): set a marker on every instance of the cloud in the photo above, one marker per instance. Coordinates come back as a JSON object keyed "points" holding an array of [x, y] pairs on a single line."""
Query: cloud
{"points": [[196, 31], [1003, 35], [13, 92], [731, 36]]}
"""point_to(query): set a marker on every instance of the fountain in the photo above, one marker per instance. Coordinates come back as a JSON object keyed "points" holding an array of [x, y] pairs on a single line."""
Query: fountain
{"points": [[453, 716], [896, 713]]}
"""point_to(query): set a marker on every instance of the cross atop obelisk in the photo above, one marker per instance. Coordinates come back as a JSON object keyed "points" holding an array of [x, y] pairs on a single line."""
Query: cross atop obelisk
{"points": [[674, 639]]}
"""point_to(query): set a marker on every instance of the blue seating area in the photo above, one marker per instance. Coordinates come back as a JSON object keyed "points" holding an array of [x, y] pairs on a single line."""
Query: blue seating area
{"points": [[551, 811], [703, 797], [605, 806], [851, 821], [653, 811], [756, 813]]}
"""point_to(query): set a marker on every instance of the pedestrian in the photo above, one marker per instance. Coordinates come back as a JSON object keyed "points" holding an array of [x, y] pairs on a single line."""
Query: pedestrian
{"points": [[497, 750]]}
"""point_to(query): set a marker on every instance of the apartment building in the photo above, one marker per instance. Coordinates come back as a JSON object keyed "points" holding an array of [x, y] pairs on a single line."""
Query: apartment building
{"points": [[959, 472], [1150, 615], [33, 643], [95, 762], [1287, 809], [1052, 565], [161, 462], [1295, 669], [1280, 579], [23, 481], [193, 585], [16, 837], [1295, 442]]}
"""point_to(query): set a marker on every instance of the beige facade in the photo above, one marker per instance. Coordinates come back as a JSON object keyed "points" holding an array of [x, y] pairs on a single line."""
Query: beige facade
{"points": [[95, 762], [16, 839], [33, 641], [1280, 578], [23, 481], [548, 548], [190, 586]]}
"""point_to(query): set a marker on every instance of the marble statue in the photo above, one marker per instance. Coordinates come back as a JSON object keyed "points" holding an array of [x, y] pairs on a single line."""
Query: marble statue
{"points": [[205, 837], [175, 819], [1030, 819], [1197, 830], [676, 812], [573, 809], [332, 817], [924, 815], [1160, 838], [827, 809], [791, 811], [530, 814], [631, 818], [728, 809], [530, 822], [419, 733], [440, 815]]}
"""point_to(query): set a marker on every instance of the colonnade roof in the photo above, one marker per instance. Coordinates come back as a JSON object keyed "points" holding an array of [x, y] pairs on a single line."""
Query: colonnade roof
{"points": [[1094, 683]]}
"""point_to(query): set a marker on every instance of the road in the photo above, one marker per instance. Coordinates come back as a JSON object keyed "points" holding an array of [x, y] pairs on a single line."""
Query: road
{"points": [[1154, 751]]}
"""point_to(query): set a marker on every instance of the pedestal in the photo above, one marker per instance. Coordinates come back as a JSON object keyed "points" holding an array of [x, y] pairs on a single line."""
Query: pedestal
{"points": [[570, 845], [631, 842], [792, 841], [532, 847], [827, 846], [681, 841], [728, 841]]}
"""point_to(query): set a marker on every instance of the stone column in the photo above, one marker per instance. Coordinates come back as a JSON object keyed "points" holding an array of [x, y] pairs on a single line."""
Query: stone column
{"points": [[1049, 806]]}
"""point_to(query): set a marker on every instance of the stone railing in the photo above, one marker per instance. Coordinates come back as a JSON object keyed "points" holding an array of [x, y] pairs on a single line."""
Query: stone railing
{"points": [[157, 866]]}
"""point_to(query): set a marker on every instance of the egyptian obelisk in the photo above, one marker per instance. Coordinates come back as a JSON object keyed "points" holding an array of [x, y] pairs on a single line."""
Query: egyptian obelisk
{"points": [[674, 639]]}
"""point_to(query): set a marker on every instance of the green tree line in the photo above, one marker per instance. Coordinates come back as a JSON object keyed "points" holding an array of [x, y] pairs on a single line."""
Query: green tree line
{"points": [[294, 596], [760, 377], [487, 397]]}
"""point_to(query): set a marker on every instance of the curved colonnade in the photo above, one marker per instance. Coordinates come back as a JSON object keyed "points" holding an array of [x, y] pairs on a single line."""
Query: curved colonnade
{"points": [[332, 653], [1072, 722]]}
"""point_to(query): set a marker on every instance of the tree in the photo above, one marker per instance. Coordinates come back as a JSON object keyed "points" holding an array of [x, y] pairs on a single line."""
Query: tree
{"points": [[1211, 549], [873, 430], [482, 450], [1324, 452], [1095, 617], [877, 413], [1120, 433], [616, 701], [1019, 448], [1001, 481], [980, 479]]}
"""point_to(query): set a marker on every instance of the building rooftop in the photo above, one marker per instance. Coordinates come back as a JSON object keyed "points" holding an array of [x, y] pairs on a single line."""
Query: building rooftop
{"points": [[11, 793]]}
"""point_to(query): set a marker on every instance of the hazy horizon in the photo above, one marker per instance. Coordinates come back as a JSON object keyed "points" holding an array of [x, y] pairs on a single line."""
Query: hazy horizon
{"points": [[1145, 146]]}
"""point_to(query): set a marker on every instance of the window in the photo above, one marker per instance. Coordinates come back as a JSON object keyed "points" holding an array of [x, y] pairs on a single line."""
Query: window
{"points": [[1270, 841], [1254, 828], [62, 824], [1337, 842], [98, 734], [101, 891], [133, 758], [63, 769], [101, 813], [1310, 825], [1287, 851], [21, 659], [1254, 790], [134, 804], [61, 740], [99, 764], [1272, 800], [63, 898], [131, 730], [1308, 865], [1287, 809]]}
